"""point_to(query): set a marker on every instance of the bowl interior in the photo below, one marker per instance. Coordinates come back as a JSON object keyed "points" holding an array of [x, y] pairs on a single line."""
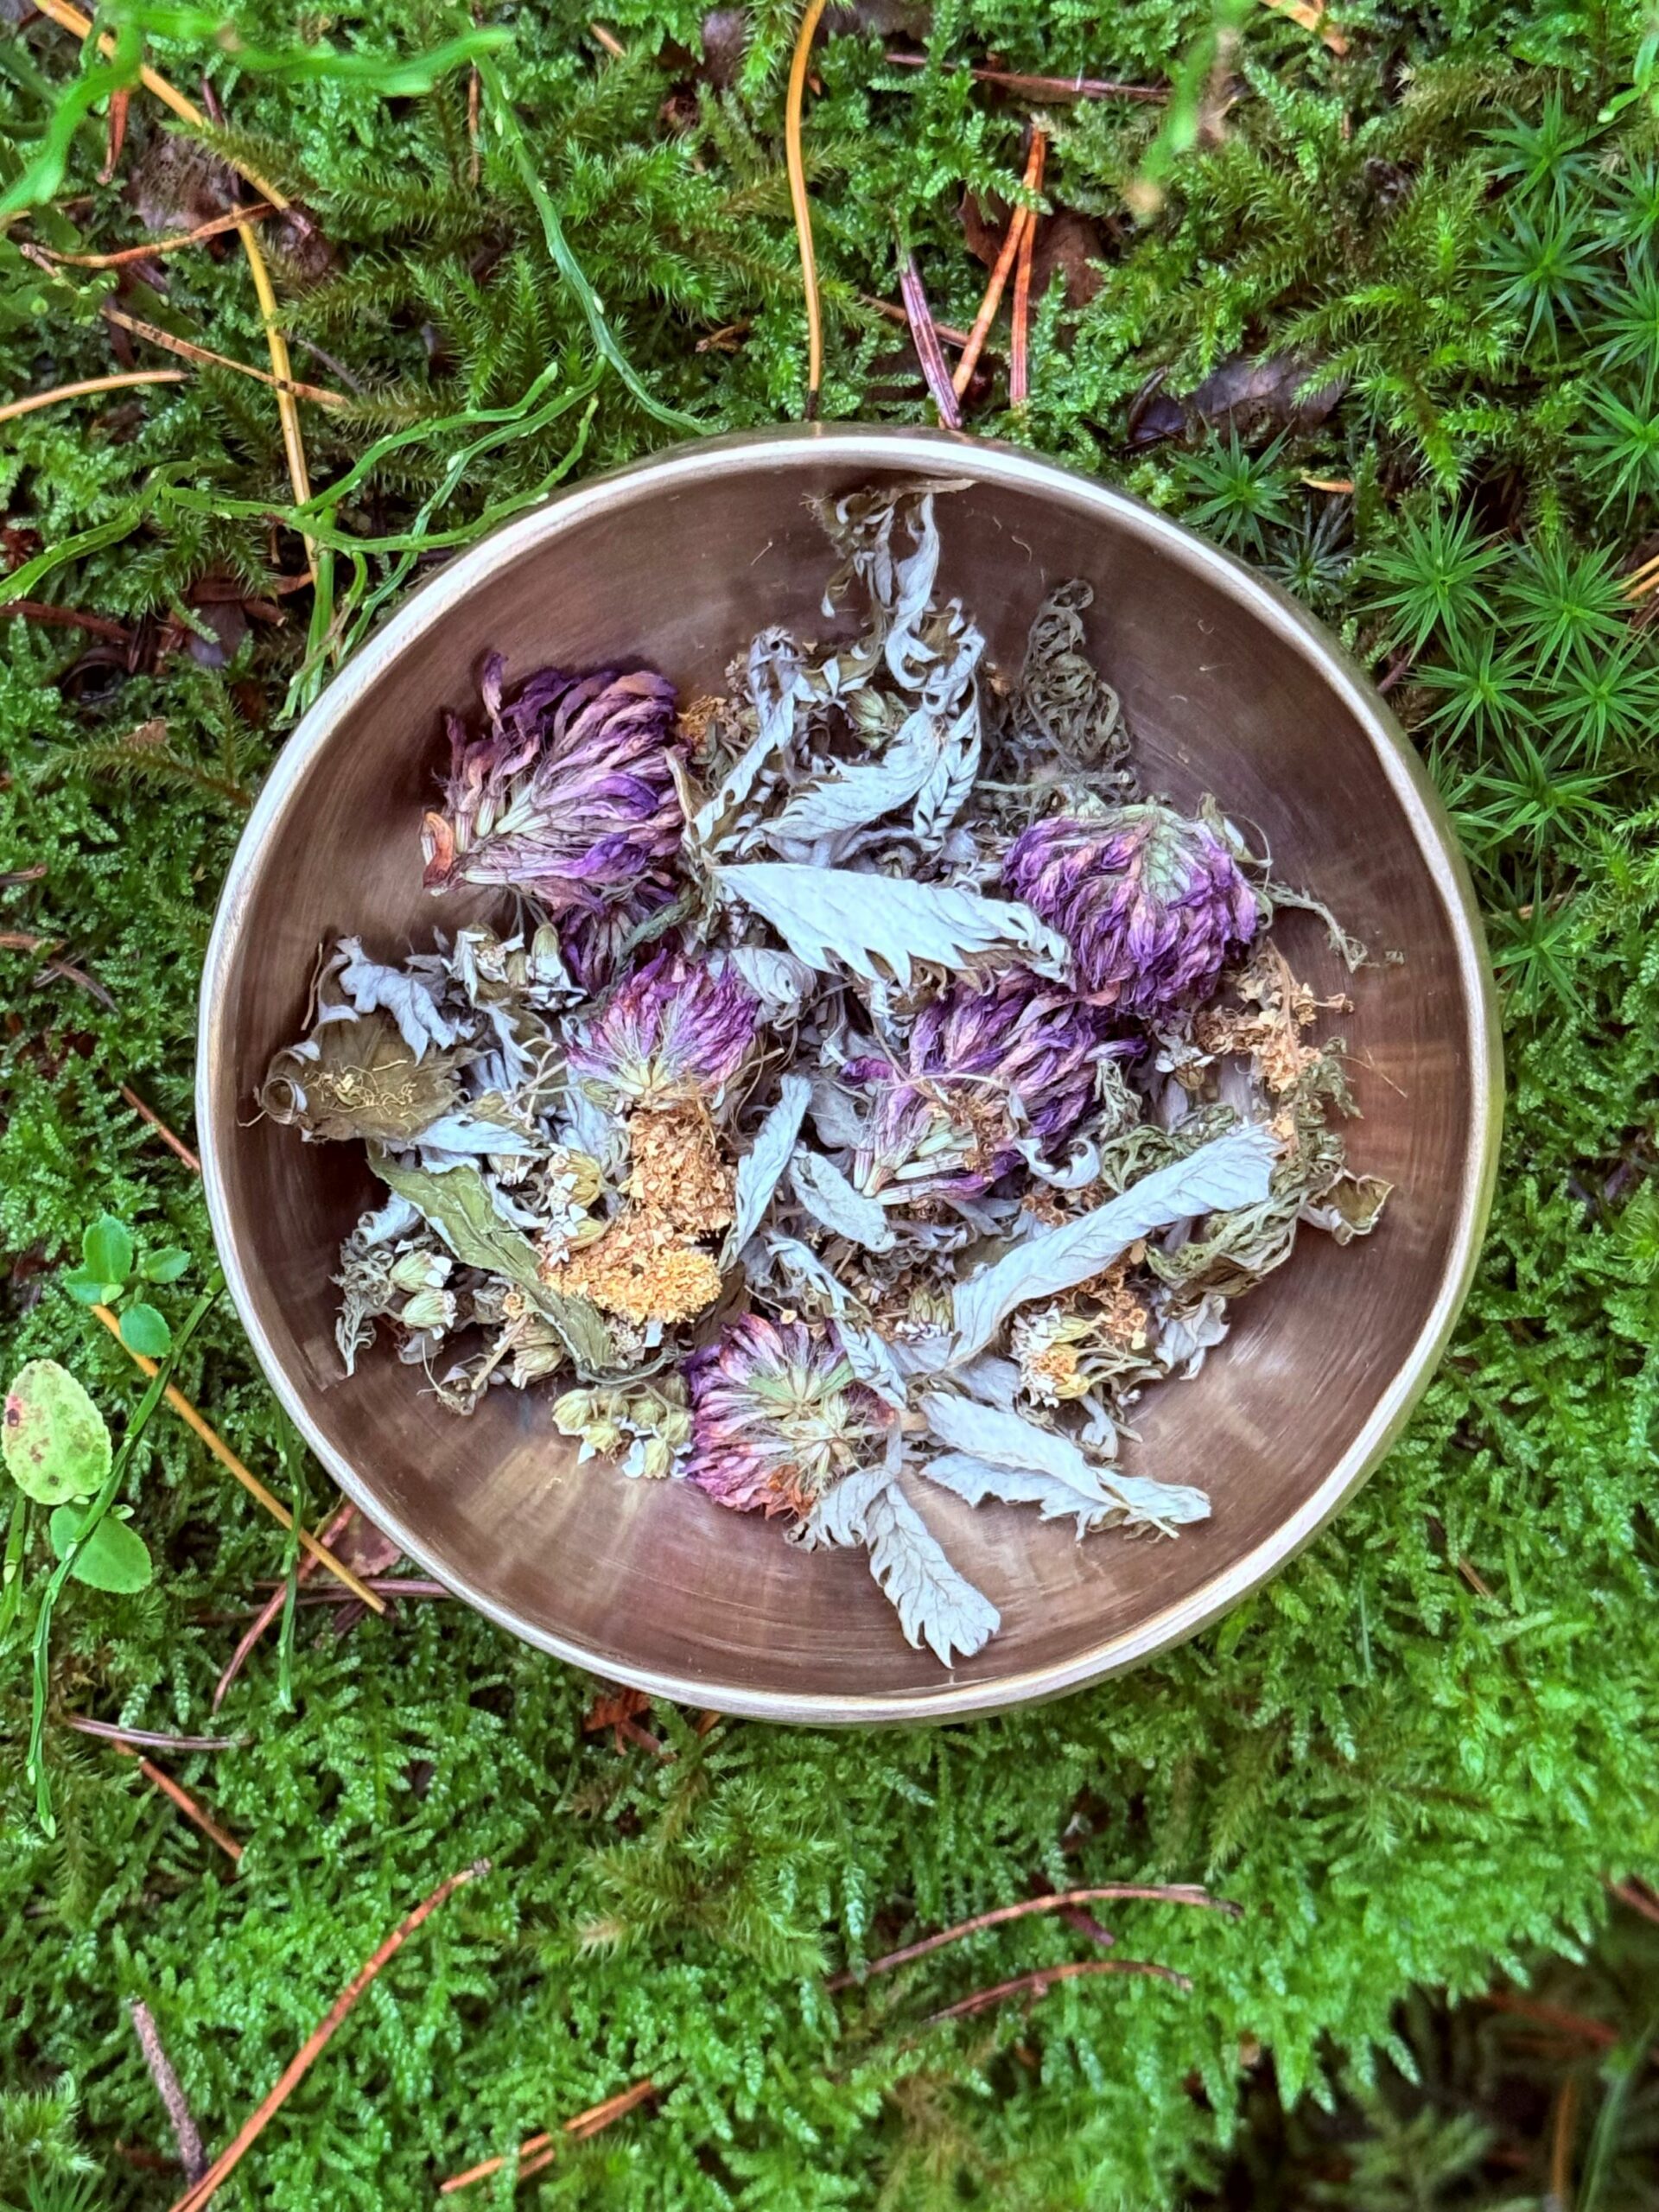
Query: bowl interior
{"points": [[1228, 691]]}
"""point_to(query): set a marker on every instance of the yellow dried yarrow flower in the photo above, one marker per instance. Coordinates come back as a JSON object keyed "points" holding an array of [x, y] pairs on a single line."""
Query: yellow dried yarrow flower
{"points": [[678, 1169], [642, 1268]]}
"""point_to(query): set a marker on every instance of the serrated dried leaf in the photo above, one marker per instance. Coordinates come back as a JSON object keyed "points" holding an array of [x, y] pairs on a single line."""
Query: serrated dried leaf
{"points": [[879, 925], [1007, 1440], [761, 1169], [832, 1201], [936, 1605]]}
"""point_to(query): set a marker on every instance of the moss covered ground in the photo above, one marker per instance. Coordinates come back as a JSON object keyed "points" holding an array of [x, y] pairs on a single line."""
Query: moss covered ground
{"points": [[1416, 1759]]}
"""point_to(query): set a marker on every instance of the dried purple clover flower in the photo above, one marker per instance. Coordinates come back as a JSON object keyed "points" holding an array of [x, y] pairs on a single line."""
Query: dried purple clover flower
{"points": [[778, 1417], [595, 944], [1152, 904], [673, 1033], [942, 1123], [569, 796]]}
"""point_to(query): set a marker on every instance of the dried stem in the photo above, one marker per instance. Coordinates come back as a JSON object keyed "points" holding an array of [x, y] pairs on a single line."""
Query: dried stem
{"points": [[149, 1114], [593, 2121], [925, 339], [1561, 2152], [188, 350], [273, 1605], [1038, 1984], [1177, 1893], [75, 617], [1050, 88], [109, 1732], [1576, 2024], [795, 163], [123, 256], [1018, 344], [185, 2132], [249, 1480], [1019, 222], [26, 406], [317, 2042], [186, 1803], [1627, 1893], [894, 313]]}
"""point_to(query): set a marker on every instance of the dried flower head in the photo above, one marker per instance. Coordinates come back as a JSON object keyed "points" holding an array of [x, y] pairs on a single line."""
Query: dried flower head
{"points": [[778, 1416], [984, 1065], [569, 796], [674, 1034], [677, 1168], [1151, 903], [641, 1268]]}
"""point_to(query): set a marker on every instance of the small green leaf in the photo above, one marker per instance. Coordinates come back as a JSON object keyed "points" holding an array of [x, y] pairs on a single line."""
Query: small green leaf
{"points": [[113, 1558], [107, 1249], [88, 1288], [165, 1266], [143, 1330], [55, 1444]]}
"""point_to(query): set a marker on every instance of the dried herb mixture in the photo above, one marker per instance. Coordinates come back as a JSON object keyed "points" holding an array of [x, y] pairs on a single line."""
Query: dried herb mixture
{"points": [[873, 1082]]}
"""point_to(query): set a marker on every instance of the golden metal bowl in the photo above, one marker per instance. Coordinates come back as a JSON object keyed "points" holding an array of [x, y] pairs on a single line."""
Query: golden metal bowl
{"points": [[1228, 689]]}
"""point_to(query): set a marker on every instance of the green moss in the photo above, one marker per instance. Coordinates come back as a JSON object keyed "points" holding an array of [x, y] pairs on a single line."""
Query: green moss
{"points": [[1401, 1780]]}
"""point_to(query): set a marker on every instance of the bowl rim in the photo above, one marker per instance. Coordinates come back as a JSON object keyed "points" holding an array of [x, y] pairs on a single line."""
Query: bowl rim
{"points": [[924, 452]]}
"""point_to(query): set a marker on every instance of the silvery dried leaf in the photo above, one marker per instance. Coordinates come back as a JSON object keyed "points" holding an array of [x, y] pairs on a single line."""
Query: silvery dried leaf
{"points": [[936, 1605], [1006, 1440], [1229, 1171], [483, 1125], [838, 1518], [974, 1480], [774, 686], [1350, 1207], [837, 1116], [832, 1200], [865, 790], [879, 925], [1186, 1333], [372, 986], [761, 1168], [870, 1357], [782, 983], [946, 793]]}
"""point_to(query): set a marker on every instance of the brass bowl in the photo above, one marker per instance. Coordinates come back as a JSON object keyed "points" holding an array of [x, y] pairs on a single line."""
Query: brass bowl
{"points": [[1230, 689]]}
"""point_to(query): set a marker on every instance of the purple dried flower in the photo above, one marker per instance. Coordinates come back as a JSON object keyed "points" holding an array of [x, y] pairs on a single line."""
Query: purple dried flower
{"points": [[778, 1417], [569, 796], [942, 1122], [673, 1033], [1151, 903], [593, 945]]}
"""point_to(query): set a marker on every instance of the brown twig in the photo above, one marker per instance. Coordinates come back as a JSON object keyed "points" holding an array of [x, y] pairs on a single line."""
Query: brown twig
{"points": [[186, 1803], [1038, 1984], [108, 1732], [1560, 2149], [1018, 343], [123, 256], [69, 618], [273, 1605], [78, 390], [186, 2134], [317, 2042], [80, 978], [1627, 1893], [1179, 1893], [187, 350], [593, 2121], [1019, 222], [1576, 2024], [249, 1480], [22, 941], [1471, 1576], [149, 1114], [924, 337], [894, 313], [1051, 88], [795, 161]]}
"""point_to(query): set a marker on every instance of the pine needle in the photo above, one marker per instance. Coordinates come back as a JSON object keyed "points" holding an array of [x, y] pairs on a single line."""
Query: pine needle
{"points": [[14, 407], [186, 349], [1065, 1901], [1021, 219], [796, 162], [593, 2121], [174, 1144], [1018, 344], [186, 1803], [1038, 1984], [124, 254], [317, 2042], [249, 1480]]}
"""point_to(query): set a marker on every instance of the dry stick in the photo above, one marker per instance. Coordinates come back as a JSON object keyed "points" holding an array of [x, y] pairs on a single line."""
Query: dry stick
{"points": [[188, 350], [593, 2121], [1054, 88], [249, 1480], [71, 19], [186, 2134], [1019, 222], [1576, 2024], [126, 254], [1038, 1984], [1018, 344], [109, 1732], [14, 407], [925, 339], [894, 313], [1177, 1893], [1628, 1895], [149, 1114], [317, 2042], [70, 618], [186, 1803], [273, 1605], [795, 161], [1561, 2154]]}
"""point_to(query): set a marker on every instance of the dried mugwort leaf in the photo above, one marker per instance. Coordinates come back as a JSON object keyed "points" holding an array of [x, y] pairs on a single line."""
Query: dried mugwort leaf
{"points": [[832, 1201], [761, 1169], [880, 926], [936, 1605], [1002, 1440]]}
